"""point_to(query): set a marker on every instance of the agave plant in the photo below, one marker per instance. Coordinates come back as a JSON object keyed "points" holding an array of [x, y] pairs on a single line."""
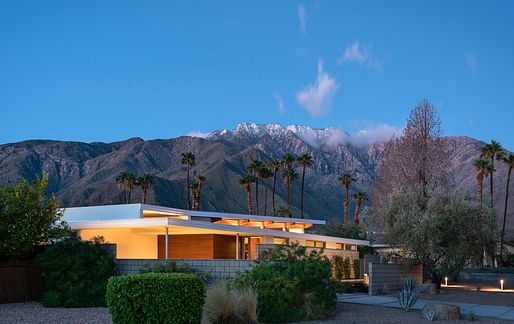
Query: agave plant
{"points": [[407, 297]]}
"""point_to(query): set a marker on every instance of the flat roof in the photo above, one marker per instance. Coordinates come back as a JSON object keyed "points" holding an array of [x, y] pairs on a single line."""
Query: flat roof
{"points": [[232, 229]]}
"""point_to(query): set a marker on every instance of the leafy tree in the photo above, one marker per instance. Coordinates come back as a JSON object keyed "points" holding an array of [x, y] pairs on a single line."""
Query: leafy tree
{"points": [[28, 218], [275, 166], [246, 181], [445, 235], [483, 169], [146, 181], [509, 161], [256, 168], [305, 161], [189, 161], [493, 151], [359, 198], [349, 230], [346, 180]]}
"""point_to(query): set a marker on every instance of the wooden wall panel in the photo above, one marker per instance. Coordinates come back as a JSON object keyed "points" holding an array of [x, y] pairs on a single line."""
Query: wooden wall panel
{"points": [[198, 246], [224, 247]]}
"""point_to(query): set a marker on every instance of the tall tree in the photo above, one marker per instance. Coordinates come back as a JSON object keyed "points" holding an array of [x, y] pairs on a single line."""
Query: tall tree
{"points": [[305, 161], [256, 167], [346, 180], [275, 166], [189, 161], [146, 181], [246, 181], [200, 179], [131, 182], [126, 181], [195, 196], [417, 162], [509, 160], [266, 173], [483, 168], [493, 151], [120, 180], [359, 198], [289, 175]]}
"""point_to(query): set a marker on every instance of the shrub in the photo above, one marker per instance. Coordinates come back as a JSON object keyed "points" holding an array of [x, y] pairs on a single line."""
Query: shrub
{"points": [[227, 305], [407, 296], [356, 268], [173, 267], [337, 262], [291, 284], [75, 273], [346, 268], [155, 298]]}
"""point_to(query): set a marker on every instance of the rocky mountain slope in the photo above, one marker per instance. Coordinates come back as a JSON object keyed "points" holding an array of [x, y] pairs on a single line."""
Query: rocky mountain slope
{"points": [[84, 173]]}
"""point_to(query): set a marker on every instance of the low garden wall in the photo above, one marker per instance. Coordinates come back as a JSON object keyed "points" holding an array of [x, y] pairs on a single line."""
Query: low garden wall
{"points": [[215, 268], [388, 277]]}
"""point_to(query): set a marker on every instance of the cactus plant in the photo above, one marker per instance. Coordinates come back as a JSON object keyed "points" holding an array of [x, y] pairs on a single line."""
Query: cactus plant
{"points": [[407, 297]]}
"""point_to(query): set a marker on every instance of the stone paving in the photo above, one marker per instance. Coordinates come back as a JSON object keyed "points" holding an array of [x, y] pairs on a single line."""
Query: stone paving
{"points": [[500, 312]]}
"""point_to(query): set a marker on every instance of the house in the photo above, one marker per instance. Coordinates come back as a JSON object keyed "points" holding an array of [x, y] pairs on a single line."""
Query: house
{"points": [[142, 231]]}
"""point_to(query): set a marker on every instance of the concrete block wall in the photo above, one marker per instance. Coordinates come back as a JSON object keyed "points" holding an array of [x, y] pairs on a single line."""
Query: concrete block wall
{"points": [[390, 275], [214, 268]]}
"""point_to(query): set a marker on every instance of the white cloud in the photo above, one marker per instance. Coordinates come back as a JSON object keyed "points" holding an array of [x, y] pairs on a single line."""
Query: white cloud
{"points": [[317, 98], [302, 18], [374, 133], [198, 134], [280, 104], [362, 55], [471, 61]]}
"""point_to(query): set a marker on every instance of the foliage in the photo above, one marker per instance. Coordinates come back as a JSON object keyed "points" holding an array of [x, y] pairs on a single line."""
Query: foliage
{"points": [[346, 268], [356, 268], [155, 298], [350, 230], [337, 267], [470, 316], [75, 273], [227, 305], [28, 218], [281, 211], [173, 267], [288, 280], [407, 296], [446, 235], [429, 316]]}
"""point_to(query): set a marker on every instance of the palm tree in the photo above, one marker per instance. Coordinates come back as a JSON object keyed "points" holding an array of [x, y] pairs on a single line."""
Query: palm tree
{"points": [[275, 166], [200, 179], [131, 180], [359, 198], [346, 180], [246, 181], [193, 188], [483, 167], [120, 180], [493, 151], [509, 160], [145, 182], [189, 160], [256, 167], [289, 176], [126, 181], [304, 160], [266, 173]]}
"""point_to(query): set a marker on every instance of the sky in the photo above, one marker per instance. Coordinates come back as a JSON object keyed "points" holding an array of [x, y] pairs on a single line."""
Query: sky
{"points": [[111, 70]]}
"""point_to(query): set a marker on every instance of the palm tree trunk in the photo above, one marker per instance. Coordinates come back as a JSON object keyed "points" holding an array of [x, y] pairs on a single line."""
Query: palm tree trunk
{"points": [[289, 204], [273, 194], [144, 190], [199, 195], [480, 187], [505, 215], [346, 206], [249, 192], [491, 181], [303, 181], [357, 210], [257, 195], [187, 190], [265, 199], [129, 194]]}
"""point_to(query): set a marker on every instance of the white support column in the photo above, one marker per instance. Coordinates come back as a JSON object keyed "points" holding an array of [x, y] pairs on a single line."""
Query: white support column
{"points": [[237, 246], [166, 244]]}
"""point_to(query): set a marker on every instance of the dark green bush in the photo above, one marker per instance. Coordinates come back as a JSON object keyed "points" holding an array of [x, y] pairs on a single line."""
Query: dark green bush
{"points": [[337, 262], [346, 268], [356, 268], [75, 273], [174, 267], [156, 298], [291, 284]]}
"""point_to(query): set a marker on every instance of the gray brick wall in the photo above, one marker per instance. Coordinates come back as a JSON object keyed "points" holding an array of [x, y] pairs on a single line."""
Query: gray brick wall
{"points": [[214, 268], [390, 275]]}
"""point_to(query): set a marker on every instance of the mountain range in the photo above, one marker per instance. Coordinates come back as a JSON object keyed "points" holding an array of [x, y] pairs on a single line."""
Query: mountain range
{"points": [[84, 173]]}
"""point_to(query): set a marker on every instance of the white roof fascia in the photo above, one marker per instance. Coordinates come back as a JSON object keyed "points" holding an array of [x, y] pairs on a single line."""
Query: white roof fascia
{"points": [[106, 212]]}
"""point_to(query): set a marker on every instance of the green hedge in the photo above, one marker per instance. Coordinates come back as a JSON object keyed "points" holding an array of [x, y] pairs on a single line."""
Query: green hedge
{"points": [[156, 298]]}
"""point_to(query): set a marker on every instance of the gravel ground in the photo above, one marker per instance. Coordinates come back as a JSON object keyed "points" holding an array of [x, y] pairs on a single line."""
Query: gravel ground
{"points": [[468, 294], [35, 313], [364, 314]]}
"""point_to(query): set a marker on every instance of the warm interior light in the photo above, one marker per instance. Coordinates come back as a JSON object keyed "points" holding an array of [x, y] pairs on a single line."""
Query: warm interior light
{"points": [[501, 284]]}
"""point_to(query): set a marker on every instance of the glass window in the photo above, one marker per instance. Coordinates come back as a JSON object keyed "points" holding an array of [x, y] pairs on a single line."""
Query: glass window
{"points": [[316, 244], [340, 246], [279, 240]]}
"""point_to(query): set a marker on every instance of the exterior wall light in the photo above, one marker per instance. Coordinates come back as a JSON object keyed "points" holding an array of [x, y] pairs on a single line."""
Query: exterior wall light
{"points": [[446, 281], [501, 284]]}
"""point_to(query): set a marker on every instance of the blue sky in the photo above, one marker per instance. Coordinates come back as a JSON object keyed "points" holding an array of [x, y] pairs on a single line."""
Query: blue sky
{"points": [[109, 70]]}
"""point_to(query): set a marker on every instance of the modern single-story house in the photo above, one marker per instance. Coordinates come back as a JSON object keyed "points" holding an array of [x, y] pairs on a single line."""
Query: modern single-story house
{"points": [[142, 231]]}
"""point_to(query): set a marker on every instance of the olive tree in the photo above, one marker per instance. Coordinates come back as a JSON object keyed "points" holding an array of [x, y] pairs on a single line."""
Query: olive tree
{"points": [[28, 218]]}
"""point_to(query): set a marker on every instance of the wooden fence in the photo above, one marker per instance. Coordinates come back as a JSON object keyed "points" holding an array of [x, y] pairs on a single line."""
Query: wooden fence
{"points": [[20, 281]]}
